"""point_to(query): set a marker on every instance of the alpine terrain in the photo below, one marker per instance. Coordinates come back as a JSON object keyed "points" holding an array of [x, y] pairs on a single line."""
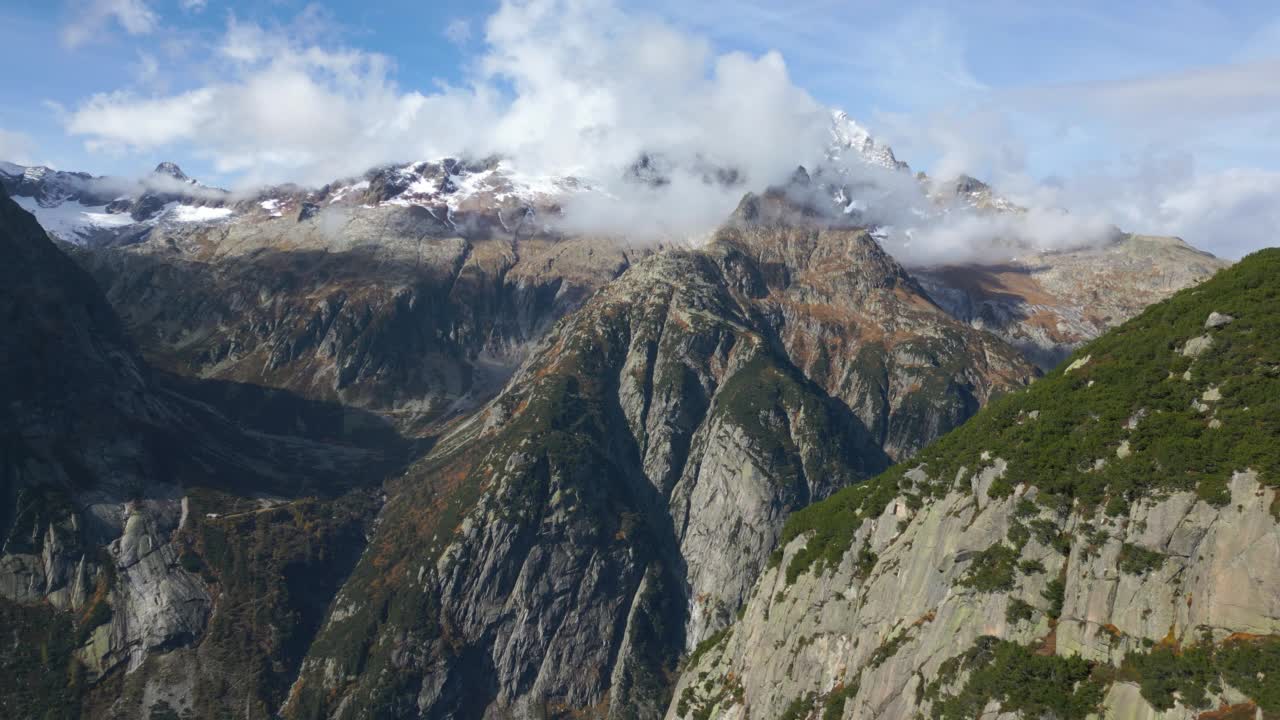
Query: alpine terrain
{"points": [[412, 445]]}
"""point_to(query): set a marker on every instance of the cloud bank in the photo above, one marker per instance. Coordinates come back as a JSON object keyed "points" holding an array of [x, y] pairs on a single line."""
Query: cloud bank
{"points": [[576, 87], [587, 88]]}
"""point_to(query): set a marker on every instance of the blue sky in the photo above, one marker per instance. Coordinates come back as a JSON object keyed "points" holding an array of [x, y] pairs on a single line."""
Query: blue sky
{"points": [[1164, 117]]}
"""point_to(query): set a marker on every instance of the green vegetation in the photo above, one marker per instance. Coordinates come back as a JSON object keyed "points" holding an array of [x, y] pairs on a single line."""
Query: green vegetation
{"points": [[717, 692], [763, 396], [832, 523], [1046, 533], [887, 649], [275, 569], [1025, 509], [1056, 594], [709, 642], [1037, 685], [1189, 675], [833, 705], [1053, 433], [1167, 675], [39, 675], [1018, 534], [865, 562], [1018, 611], [1031, 567], [799, 708], [992, 569], [1021, 680], [1137, 560]]}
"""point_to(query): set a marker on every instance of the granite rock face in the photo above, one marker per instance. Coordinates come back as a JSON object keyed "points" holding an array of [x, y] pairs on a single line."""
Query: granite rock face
{"points": [[612, 507], [830, 631]]}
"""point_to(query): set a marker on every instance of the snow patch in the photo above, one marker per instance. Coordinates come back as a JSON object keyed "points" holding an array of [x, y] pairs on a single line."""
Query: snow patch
{"points": [[343, 191], [72, 222], [846, 134], [198, 213]]}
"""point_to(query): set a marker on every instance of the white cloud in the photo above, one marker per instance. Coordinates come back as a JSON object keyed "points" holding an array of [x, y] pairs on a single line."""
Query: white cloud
{"points": [[1195, 94], [968, 236], [92, 19], [458, 31], [1173, 152], [585, 87], [194, 5], [563, 86], [15, 147], [1230, 212]]}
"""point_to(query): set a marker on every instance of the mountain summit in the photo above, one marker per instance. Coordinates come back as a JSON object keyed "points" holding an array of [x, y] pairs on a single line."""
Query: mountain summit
{"points": [[172, 170]]}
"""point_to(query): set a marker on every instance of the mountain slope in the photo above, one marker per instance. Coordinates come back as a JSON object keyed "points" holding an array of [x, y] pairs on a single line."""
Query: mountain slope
{"points": [[114, 480], [337, 292], [390, 308], [557, 551], [1105, 540], [1048, 304]]}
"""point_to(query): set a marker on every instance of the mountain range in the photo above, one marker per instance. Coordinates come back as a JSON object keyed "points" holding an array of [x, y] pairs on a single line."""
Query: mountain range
{"points": [[405, 446]]}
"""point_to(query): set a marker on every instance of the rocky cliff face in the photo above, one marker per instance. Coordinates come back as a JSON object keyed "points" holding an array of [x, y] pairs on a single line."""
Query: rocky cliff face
{"points": [[1049, 304], [1100, 545], [112, 477], [411, 291], [557, 551], [392, 308]]}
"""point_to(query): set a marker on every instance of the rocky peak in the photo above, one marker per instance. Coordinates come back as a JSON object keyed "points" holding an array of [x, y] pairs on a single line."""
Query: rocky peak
{"points": [[848, 136], [965, 184], [171, 170], [799, 202]]}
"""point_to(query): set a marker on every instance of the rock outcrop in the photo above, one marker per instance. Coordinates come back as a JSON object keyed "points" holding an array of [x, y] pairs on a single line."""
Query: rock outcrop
{"points": [[1101, 545]]}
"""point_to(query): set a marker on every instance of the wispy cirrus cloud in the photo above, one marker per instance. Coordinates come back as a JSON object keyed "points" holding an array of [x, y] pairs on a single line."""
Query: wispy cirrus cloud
{"points": [[92, 19]]}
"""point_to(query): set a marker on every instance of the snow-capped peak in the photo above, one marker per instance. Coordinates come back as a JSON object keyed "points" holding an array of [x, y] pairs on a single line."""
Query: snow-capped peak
{"points": [[847, 134]]}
